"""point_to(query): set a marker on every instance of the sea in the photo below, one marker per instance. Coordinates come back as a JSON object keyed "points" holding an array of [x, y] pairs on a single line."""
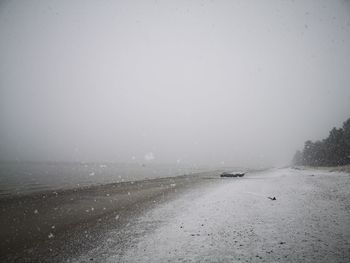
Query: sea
{"points": [[30, 177]]}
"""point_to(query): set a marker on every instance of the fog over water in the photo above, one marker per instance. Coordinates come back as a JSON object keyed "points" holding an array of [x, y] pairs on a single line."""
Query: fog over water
{"points": [[208, 82]]}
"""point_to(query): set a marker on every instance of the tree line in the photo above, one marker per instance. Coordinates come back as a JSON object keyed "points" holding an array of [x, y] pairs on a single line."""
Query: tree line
{"points": [[332, 151]]}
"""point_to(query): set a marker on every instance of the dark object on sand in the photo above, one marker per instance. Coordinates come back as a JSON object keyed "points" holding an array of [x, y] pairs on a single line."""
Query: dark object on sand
{"points": [[272, 198], [232, 174]]}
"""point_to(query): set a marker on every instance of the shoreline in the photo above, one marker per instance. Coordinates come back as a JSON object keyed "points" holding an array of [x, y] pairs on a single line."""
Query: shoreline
{"points": [[340, 168], [63, 222], [65, 190], [36, 177]]}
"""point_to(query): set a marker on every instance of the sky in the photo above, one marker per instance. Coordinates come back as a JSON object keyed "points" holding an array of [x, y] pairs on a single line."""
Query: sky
{"points": [[241, 83]]}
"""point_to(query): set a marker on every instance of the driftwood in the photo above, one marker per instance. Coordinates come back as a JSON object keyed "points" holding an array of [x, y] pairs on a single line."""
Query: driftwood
{"points": [[232, 174]]}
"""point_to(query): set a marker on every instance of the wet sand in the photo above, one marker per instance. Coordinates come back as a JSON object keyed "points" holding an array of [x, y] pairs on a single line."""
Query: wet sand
{"points": [[55, 225]]}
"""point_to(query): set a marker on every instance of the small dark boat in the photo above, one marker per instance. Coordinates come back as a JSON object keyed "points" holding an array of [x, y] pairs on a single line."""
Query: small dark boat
{"points": [[232, 174]]}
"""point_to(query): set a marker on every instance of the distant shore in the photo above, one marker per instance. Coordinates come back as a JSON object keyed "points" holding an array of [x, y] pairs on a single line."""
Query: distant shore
{"points": [[341, 168], [62, 223]]}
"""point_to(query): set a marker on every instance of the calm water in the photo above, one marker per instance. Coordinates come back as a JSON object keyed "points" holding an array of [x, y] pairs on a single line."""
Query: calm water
{"points": [[28, 177]]}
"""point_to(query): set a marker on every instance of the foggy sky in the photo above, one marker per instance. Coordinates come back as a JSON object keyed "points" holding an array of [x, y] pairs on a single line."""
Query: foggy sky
{"points": [[204, 82]]}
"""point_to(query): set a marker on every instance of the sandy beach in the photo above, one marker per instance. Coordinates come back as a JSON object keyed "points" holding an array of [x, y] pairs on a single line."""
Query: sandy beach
{"points": [[193, 218], [55, 225]]}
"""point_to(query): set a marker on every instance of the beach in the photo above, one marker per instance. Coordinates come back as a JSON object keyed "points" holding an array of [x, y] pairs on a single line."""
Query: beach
{"points": [[193, 218], [63, 223]]}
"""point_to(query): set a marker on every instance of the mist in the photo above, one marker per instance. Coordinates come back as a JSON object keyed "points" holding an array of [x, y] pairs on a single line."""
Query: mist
{"points": [[241, 83]]}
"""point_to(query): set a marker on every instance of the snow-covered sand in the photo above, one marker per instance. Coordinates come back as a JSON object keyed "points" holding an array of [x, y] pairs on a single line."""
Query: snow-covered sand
{"points": [[234, 220]]}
